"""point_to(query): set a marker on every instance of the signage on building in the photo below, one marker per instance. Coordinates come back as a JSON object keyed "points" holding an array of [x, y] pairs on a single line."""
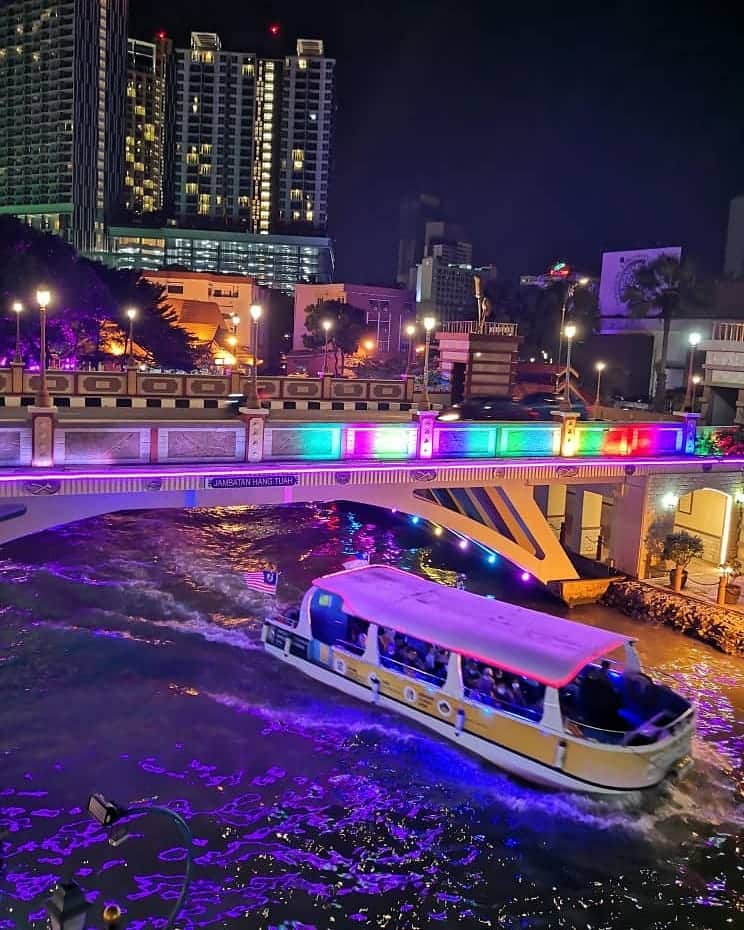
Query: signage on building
{"points": [[255, 481], [618, 274]]}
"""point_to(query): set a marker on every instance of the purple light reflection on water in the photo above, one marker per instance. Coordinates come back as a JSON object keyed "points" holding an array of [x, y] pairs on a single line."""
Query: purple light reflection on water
{"points": [[305, 804]]}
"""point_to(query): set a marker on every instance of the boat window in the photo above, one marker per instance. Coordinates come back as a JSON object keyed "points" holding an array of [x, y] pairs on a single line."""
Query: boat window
{"points": [[333, 626], [504, 690], [416, 658]]}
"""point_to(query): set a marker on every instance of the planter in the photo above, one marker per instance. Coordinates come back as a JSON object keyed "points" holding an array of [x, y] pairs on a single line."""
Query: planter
{"points": [[733, 593], [684, 579]]}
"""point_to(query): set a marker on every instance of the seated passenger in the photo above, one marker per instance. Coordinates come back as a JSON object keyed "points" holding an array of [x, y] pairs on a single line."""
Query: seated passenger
{"points": [[486, 682]]}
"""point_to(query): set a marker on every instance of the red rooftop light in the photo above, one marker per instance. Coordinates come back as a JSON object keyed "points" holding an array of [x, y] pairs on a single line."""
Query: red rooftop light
{"points": [[162, 34], [275, 29]]}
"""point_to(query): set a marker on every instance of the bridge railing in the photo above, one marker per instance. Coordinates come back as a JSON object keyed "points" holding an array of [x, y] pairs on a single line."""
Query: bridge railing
{"points": [[256, 439]]}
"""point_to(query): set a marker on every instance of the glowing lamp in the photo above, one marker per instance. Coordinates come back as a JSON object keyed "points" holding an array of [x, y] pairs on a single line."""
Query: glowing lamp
{"points": [[670, 500], [429, 323], [326, 324], [369, 345], [43, 297], [17, 306], [696, 379], [492, 559], [438, 531], [255, 312], [525, 576], [694, 339], [131, 313], [739, 497], [415, 520], [600, 366], [410, 329], [463, 544], [570, 331]]}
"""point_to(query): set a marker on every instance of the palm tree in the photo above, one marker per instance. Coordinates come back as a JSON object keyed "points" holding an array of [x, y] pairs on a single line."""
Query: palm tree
{"points": [[664, 289]]}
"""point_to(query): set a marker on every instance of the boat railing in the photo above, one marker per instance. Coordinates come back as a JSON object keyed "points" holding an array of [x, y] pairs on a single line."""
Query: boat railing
{"points": [[289, 618], [353, 648], [410, 671], [597, 734], [520, 710]]}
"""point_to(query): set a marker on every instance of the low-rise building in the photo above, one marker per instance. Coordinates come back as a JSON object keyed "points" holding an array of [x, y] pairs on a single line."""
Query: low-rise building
{"points": [[387, 312]]}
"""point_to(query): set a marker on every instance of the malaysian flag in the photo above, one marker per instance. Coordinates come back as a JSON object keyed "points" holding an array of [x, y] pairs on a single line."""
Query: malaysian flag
{"points": [[264, 581]]}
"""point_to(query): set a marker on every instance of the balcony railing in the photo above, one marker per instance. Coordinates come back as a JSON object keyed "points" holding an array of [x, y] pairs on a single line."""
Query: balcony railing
{"points": [[471, 326], [728, 332]]}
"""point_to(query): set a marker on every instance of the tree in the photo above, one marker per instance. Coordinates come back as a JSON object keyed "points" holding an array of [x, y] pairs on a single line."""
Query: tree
{"points": [[349, 326], [664, 289], [89, 301]]}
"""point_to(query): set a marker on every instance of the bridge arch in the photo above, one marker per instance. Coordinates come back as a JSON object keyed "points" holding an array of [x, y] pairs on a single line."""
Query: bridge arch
{"points": [[512, 525]]}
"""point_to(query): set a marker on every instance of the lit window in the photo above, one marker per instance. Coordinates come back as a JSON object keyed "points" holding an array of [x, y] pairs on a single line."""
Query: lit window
{"points": [[295, 214], [139, 110], [309, 216], [247, 70], [191, 188], [302, 64], [295, 194]]}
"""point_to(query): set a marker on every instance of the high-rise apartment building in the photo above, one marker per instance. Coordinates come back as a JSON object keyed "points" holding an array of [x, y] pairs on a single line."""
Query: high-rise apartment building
{"points": [[415, 212], [306, 128], [62, 92], [252, 136], [147, 128], [214, 132]]}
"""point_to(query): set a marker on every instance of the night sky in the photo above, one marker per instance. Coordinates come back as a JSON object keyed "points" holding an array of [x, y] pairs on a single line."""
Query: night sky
{"points": [[550, 130]]}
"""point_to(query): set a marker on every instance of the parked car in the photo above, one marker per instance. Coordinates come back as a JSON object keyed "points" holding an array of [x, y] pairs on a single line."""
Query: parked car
{"points": [[486, 408], [543, 403]]}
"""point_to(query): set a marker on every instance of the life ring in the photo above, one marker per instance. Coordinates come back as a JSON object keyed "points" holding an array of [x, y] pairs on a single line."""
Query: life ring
{"points": [[340, 666], [444, 708], [409, 694]]}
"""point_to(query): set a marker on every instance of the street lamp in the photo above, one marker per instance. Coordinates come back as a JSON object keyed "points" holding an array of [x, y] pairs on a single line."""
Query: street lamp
{"points": [[131, 316], [410, 332], [599, 368], [255, 311], [326, 324], [43, 297], [696, 379], [569, 332], [18, 310], [235, 320], [694, 340], [429, 324], [369, 345], [570, 291]]}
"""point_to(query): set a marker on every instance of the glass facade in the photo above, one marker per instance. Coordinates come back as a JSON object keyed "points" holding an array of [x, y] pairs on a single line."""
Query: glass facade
{"points": [[273, 261]]}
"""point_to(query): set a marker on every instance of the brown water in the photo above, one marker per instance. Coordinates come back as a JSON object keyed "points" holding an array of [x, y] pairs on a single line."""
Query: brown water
{"points": [[132, 665]]}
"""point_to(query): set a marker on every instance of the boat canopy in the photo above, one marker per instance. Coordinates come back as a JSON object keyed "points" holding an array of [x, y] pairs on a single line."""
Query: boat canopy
{"points": [[549, 649]]}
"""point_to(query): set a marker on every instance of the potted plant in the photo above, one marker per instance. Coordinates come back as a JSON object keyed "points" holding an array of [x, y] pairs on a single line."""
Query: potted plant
{"points": [[681, 548], [733, 570]]}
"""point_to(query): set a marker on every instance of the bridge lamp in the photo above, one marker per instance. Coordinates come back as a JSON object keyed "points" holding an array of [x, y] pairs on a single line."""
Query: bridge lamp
{"points": [[429, 324], [693, 340], [43, 299], [599, 368], [18, 310], [256, 312], [131, 314], [569, 332], [326, 326]]}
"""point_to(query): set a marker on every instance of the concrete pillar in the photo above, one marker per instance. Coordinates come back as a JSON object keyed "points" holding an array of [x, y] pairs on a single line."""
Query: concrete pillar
{"points": [[131, 382], [326, 387], [235, 379], [739, 415], [425, 433], [16, 377], [569, 437], [43, 420], [255, 421], [583, 519], [627, 544]]}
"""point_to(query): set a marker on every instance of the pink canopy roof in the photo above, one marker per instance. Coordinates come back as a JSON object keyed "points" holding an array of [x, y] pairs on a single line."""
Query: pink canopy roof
{"points": [[540, 646]]}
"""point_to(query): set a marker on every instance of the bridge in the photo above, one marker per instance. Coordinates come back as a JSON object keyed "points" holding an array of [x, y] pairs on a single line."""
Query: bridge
{"points": [[526, 491]]}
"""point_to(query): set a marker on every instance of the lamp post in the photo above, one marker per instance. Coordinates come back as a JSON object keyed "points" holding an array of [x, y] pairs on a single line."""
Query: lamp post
{"points": [[410, 332], [599, 368], [696, 379], [326, 324], [235, 320], [43, 297], [570, 291], [18, 310], [255, 311], [694, 340], [131, 316], [569, 332], [429, 324]]}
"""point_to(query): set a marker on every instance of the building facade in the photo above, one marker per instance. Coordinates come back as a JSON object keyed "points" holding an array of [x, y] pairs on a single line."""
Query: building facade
{"points": [[415, 212], [214, 308], [387, 311], [306, 129], [273, 261], [252, 137], [62, 86], [146, 140]]}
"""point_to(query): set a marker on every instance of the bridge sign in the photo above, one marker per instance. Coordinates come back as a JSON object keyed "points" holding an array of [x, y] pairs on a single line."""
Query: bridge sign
{"points": [[254, 481]]}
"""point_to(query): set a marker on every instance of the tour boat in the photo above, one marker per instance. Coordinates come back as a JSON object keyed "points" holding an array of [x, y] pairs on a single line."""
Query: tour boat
{"points": [[550, 700]]}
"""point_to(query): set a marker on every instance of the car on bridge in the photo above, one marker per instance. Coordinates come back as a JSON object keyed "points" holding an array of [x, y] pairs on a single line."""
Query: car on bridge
{"points": [[538, 406]]}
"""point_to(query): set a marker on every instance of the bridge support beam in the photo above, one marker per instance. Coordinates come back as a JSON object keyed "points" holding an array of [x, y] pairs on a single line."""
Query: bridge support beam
{"points": [[43, 421], [255, 422]]}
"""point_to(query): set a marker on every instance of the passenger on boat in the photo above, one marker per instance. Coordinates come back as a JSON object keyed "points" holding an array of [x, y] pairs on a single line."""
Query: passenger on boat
{"points": [[598, 700]]}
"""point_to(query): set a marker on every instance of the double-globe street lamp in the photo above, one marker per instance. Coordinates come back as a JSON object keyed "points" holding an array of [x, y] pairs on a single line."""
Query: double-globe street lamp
{"points": [[18, 310], [693, 340], [429, 324], [255, 311]]}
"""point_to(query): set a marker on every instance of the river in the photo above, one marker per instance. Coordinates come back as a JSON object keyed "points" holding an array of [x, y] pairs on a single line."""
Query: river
{"points": [[131, 664]]}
